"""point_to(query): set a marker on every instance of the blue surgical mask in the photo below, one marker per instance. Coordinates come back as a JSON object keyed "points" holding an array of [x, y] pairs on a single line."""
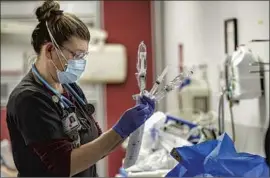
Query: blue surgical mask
{"points": [[74, 67], [73, 71]]}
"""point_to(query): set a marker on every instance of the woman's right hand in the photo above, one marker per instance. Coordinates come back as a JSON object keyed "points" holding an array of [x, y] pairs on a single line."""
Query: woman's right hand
{"points": [[134, 117]]}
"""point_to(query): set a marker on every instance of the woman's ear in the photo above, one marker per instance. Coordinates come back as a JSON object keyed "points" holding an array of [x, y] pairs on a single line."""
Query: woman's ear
{"points": [[48, 49]]}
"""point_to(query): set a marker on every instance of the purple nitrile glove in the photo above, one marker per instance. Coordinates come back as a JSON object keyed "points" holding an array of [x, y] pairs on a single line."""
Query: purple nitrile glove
{"points": [[134, 117]]}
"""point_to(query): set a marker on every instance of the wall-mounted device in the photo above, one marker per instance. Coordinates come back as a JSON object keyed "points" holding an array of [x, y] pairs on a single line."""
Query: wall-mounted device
{"points": [[242, 83], [106, 63], [194, 99]]}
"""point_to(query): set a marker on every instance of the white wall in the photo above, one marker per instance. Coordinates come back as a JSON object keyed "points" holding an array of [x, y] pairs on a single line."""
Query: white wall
{"points": [[183, 22], [12, 49], [11, 60], [27, 8], [199, 25]]}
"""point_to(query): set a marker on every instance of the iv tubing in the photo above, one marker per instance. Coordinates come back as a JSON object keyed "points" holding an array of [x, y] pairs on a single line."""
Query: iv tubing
{"points": [[134, 146], [135, 139]]}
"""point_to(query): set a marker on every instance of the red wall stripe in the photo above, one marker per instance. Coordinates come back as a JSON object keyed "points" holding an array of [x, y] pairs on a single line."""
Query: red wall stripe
{"points": [[4, 129], [127, 23]]}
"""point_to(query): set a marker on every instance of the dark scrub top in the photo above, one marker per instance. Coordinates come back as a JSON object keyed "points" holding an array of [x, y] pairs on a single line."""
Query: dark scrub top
{"points": [[33, 118]]}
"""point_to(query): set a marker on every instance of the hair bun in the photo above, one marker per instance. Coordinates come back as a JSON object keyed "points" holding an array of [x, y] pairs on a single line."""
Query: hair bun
{"points": [[48, 10]]}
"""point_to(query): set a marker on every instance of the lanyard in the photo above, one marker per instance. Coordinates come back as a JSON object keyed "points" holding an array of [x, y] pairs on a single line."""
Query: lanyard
{"points": [[71, 90], [62, 98]]}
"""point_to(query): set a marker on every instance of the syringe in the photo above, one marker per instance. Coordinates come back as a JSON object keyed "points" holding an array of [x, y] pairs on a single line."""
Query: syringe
{"points": [[158, 81], [175, 83]]}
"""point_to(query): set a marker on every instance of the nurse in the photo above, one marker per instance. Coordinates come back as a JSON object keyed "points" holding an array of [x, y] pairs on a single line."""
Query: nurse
{"points": [[49, 120]]}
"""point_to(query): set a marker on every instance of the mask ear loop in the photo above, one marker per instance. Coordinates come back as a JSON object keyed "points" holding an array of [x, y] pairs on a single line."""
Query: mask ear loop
{"points": [[57, 47]]}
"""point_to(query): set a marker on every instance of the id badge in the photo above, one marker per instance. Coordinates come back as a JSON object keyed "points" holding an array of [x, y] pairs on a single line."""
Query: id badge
{"points": [[71, 123]]}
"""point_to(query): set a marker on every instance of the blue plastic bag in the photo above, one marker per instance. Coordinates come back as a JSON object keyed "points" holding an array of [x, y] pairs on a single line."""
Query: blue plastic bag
{"points": [[218, 158]]}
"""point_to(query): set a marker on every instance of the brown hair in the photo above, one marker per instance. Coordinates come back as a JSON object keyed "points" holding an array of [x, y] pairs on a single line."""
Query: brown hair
{"points": [[63, 26]]}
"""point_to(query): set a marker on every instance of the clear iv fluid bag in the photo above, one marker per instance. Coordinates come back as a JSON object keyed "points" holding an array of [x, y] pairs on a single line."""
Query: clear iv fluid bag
{"points": [[141, 66]]}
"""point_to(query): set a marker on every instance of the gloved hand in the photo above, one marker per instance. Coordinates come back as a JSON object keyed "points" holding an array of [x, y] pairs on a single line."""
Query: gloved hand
{"points": [[134, 117]]}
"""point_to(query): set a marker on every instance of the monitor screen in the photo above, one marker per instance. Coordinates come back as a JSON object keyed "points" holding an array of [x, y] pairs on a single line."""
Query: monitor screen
{"points": [[200, 103]]}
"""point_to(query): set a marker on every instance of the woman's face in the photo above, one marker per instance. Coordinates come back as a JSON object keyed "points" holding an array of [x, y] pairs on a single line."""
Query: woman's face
{"points": [[72, 49]]}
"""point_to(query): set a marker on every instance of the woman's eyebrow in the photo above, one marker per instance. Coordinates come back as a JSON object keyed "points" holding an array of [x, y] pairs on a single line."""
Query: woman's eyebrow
{"points": [[80, 50]]}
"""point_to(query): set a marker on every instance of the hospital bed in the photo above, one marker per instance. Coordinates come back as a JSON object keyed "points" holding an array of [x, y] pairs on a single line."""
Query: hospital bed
{"points": [[161, 134]]}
